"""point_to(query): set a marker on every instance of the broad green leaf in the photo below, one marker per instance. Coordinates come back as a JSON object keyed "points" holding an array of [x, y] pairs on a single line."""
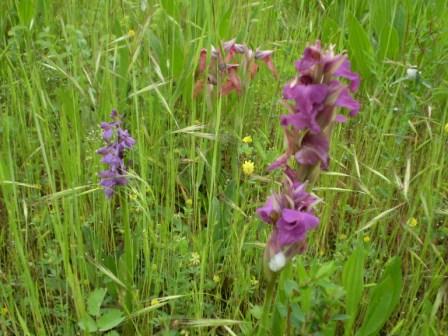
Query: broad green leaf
{"points": [[361, 51], [383, 299], [325, 270], [110, 319], [290, 286], [257, 311], [388, 44], [225, 22], [95, 300], [26, 11], [88, 324], [352, 281]]}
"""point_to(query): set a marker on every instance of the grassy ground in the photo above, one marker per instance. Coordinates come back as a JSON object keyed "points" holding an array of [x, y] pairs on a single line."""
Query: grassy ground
{"points": [[185, 225]]}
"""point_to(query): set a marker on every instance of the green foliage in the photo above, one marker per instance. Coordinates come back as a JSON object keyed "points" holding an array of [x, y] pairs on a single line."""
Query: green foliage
{"points": [[353, 283], [185, 224], [383, 299]]}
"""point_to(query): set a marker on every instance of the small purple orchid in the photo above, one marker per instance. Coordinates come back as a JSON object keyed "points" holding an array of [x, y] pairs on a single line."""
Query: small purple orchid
{"points": [[316, 93], [117, 141]]}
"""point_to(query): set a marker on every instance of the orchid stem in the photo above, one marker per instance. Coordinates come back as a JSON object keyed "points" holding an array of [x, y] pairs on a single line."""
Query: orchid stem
{"points": [[265, 318]]}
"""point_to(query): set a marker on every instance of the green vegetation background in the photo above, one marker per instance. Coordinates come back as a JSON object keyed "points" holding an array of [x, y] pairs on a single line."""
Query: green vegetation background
{"points": [[185, 225]]}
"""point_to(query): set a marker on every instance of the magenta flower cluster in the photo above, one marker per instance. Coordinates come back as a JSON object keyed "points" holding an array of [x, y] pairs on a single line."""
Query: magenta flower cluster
{"points": [[224, 67], [118, 140], [316, 94]]}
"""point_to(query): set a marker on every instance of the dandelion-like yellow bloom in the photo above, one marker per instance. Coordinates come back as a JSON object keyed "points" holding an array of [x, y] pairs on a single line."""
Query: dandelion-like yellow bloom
{"points": [[446, 128], [247, 139], [189, 202], [216, 278], [131, 33], [366, 239], [412, 222], [154, 302], [248, 167], [195, 258]]}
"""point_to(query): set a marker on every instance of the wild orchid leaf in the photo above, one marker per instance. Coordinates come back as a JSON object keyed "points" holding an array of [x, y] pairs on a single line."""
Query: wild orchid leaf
{"points": [[383, 299], [110, 319], [353, 281], [95, 300]]}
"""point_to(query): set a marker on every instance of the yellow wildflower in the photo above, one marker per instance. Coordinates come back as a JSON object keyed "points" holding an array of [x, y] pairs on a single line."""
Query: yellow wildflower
{"points": [[131, 33], [253, 281], [195, 258], [154, 302], [248, 168], [366, 239], [189, 202], [412, 222], [216, 278], [247, 139]]}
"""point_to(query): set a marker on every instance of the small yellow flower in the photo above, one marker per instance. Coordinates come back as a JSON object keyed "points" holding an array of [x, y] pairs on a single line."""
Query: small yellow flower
{"points": [[342, 236], [247, 139], [154, 302], [131, 33], [366, 239], [195, 258], [253, 281], [412, 222], [189, 202], [446, 128], [248, 168], [216, 278]]}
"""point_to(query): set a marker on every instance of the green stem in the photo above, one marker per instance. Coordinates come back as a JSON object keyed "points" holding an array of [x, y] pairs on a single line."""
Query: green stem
{"points": [[265, 318]]}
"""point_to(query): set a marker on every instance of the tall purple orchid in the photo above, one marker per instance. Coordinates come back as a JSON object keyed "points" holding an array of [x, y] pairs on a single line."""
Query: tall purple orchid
{"points": [[118, 140], [312, 99]]}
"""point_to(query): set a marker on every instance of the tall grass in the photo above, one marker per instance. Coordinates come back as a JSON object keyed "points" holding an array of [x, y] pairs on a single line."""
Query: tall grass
{"points": [[185, 225]]}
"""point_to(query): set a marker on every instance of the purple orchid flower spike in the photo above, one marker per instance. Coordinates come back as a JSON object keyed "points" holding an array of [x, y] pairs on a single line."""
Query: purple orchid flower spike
{"points": [[316, 93], [291, 215], [312, 99], [117, 141], [225, 67]]}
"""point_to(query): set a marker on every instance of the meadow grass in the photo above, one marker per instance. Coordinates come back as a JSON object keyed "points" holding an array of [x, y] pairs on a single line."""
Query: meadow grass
{"points": [[179, 250]]}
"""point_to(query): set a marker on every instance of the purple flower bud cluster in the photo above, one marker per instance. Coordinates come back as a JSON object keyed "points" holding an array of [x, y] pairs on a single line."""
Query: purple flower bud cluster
{"points": [[316, 93], [117, 141]]}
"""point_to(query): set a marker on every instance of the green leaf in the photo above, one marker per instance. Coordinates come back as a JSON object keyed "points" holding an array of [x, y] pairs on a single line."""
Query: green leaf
{"points": [[95, 300], [361, 50], [325, 270], [388, 43], [87, 324], [110, 319], [290, 286], [383, 299], [256, 311], [353, 281], [112, 333]]}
